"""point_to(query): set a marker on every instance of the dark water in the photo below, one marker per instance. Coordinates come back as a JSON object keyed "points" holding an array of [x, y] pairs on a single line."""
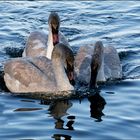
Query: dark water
{"points": [[114, 111]]}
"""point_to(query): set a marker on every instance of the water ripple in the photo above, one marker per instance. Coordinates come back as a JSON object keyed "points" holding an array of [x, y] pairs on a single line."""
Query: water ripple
{"points": [[113, 113]]}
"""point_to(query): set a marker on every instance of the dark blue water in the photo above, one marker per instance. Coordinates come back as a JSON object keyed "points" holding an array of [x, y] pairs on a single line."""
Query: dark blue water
{"points": [[114, 111]]}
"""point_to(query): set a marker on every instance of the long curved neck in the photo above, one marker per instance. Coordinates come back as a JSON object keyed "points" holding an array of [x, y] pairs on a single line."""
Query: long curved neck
{"points": [[50, 44], [62, 81], [101, 74]]}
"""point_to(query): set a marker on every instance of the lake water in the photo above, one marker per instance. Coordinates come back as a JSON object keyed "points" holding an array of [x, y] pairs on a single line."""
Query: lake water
{"points": [[114, 111]]}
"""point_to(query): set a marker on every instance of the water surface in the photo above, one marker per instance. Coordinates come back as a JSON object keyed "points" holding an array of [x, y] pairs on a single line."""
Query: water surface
{"points": [[113, 112]]}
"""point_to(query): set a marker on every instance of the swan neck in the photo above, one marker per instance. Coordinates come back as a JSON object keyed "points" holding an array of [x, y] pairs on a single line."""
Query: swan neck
{"points": [[101, 74], [50, 44], [62, 80]]}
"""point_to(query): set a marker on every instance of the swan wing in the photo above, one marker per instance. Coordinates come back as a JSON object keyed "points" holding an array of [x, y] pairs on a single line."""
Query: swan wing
{"points": [[24, 75], [112, 64], [36, 45]]}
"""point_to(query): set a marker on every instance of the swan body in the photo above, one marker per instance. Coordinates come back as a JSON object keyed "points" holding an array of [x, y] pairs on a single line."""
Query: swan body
{"points": [[38, 74], [46, 65], [112, 64], [107, 57], [22, 75]]}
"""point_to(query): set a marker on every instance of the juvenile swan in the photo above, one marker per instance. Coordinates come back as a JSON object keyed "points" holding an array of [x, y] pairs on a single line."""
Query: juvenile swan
{"points": [[40, 44], [39, 74], [48, 63], [96, 63]]}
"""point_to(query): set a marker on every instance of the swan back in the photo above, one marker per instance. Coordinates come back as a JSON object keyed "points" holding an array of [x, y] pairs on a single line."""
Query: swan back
{"points": [[38, 74]]}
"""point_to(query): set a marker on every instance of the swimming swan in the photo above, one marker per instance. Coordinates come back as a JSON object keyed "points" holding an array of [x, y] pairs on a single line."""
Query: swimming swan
{"points": [[48, 63], [92, 64], [39, 74], [96, 63], [40, 44]]}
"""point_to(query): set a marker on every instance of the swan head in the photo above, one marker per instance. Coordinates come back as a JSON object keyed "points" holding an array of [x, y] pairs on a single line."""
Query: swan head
{"points": [[54, 24]]}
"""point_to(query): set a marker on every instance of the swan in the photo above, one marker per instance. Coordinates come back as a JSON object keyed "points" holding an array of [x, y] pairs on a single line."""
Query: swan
{"points": [[40, 44], [40, 74], [92, 64], [48, 63], [95, 64]]}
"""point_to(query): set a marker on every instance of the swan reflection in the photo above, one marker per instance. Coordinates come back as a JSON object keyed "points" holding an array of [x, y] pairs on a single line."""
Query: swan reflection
{"points": [[58, 109], [97, 103]]}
